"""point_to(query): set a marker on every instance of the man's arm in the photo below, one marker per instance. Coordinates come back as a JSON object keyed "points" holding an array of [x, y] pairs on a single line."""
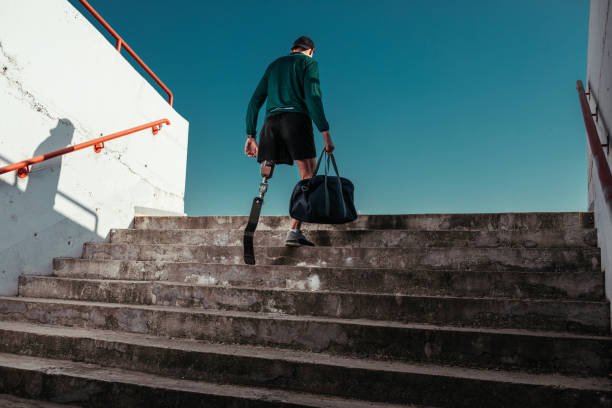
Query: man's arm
{"points": [[312, 91], [257, 100]]}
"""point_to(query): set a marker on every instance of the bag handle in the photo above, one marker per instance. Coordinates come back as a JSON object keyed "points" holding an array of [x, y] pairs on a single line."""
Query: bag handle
{"points": [[316, 169], [333, 160], [327, 206]]}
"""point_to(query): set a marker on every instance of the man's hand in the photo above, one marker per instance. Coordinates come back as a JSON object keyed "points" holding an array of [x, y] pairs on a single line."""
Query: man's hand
{"points": [[251, 148], [329, 145]]}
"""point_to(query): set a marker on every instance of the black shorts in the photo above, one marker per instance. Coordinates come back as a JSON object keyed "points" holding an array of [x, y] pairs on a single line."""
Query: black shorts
{"points": [[286, 137]]}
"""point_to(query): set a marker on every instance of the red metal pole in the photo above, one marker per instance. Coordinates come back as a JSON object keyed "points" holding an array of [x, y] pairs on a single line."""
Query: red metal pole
{"points": [[121, 43], [599, 157], [99, 141]]}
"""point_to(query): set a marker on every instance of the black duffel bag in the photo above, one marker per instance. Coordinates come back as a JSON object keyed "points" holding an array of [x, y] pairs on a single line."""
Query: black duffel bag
{"points": [[323, 199]]}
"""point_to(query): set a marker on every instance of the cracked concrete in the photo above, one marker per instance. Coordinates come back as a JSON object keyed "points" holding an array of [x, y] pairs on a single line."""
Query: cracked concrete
{"points": [[9, 64], [81, 196], [157, 189]]}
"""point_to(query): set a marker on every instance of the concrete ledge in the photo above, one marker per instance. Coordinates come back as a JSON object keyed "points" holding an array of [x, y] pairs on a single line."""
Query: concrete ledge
{"points": [[472, 347], [557, 315], [585, 285], [462, 222], [531, 259], [295, 371], [145, 211], [9, 401], [96, 386], [572, 237]]}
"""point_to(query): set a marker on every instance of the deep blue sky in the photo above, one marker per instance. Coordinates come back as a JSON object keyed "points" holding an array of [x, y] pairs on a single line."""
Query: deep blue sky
{"points": [[434, 106]]}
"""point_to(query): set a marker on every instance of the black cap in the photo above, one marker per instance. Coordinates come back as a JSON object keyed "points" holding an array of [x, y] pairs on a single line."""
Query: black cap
{"points": [[303, 42]]}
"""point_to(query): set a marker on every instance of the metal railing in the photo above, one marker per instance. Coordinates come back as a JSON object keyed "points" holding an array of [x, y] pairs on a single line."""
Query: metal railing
{"points": [[121, 43], [599, 157], [23, 167]]}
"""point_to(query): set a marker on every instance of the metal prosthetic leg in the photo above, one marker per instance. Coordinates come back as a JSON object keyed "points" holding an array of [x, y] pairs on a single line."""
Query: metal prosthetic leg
{"points": [[267, 169]]}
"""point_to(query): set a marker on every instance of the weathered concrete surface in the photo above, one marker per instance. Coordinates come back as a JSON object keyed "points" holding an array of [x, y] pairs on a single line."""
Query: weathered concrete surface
{"points": [[585, 285], [557, 315], [533, 259], [95, 386], [428, 222], [510, 350], [9, 401], [599, 84], [520, 349], [272, 368], [571, 237], [463, 303]]}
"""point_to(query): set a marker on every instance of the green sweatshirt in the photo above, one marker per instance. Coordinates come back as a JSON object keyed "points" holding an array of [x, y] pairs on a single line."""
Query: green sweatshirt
{"points": [[291, 84]]}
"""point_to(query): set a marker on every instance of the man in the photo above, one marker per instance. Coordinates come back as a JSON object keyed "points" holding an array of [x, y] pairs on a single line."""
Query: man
{"points": [[291, 84]]}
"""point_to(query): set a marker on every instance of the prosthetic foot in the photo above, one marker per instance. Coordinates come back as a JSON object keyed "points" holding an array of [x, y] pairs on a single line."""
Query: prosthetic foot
{"points": [[267, 169]]}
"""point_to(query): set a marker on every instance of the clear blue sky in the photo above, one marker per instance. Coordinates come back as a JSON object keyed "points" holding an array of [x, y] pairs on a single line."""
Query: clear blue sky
{"points": [[434, 106]]}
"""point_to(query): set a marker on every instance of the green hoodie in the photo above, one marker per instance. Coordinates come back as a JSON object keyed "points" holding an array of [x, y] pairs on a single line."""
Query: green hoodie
{"points": [[291, 84]]}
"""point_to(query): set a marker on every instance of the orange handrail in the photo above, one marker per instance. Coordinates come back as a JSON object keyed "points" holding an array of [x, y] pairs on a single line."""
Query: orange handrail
{"points": [[120, 43], [599, 158], [98, 144]]}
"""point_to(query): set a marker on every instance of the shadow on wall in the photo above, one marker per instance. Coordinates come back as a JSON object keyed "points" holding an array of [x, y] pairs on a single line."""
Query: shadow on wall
{"points": [[600, 118], [32, 230]]}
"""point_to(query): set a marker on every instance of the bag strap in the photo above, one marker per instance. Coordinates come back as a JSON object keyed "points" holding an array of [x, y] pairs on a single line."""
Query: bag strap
{"points": [[314, 173], [327, 209], [316, 169], [333, 161]]}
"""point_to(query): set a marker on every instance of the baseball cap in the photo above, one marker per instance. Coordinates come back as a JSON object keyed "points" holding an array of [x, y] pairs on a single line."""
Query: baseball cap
{"points": [[303, 42]]}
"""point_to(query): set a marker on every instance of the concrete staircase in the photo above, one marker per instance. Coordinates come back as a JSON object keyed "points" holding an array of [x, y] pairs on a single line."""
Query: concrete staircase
{"points": [[477, 310]]}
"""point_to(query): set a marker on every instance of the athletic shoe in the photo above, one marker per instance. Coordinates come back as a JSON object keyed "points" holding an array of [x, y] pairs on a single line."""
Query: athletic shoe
{"points": [[297, 239]]}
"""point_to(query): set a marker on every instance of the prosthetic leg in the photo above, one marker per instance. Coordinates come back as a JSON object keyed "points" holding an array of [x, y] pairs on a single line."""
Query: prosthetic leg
{"points": [[267, 169]]}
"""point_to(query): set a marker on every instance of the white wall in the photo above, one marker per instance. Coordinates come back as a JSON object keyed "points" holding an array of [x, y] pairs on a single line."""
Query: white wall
{"points": [[599, 81], [61, 83]]}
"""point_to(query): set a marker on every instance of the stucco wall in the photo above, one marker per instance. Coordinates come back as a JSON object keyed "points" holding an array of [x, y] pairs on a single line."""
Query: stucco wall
{"points": [[62, 83], [599, 82]]}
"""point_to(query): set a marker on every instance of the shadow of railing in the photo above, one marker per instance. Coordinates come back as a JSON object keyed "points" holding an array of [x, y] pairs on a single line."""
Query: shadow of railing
{"points": [[33, 230]]}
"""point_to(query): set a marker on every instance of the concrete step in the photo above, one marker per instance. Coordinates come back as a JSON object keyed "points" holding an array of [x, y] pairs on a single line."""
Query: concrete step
{"points": [[532, 259], [573, 237], [317, 374], [10, 401], [509, 349], [585, 285], [430, 222], [557, 315], [96, 386]]}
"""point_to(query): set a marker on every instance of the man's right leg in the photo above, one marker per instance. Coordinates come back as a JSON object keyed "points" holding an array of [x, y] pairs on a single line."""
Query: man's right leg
{"points": [[295, 236], [306, 167]]}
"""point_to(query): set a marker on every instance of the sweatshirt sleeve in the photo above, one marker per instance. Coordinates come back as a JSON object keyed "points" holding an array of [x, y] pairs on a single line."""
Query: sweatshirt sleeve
{"points": [[258, 98], [312, 91]]}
